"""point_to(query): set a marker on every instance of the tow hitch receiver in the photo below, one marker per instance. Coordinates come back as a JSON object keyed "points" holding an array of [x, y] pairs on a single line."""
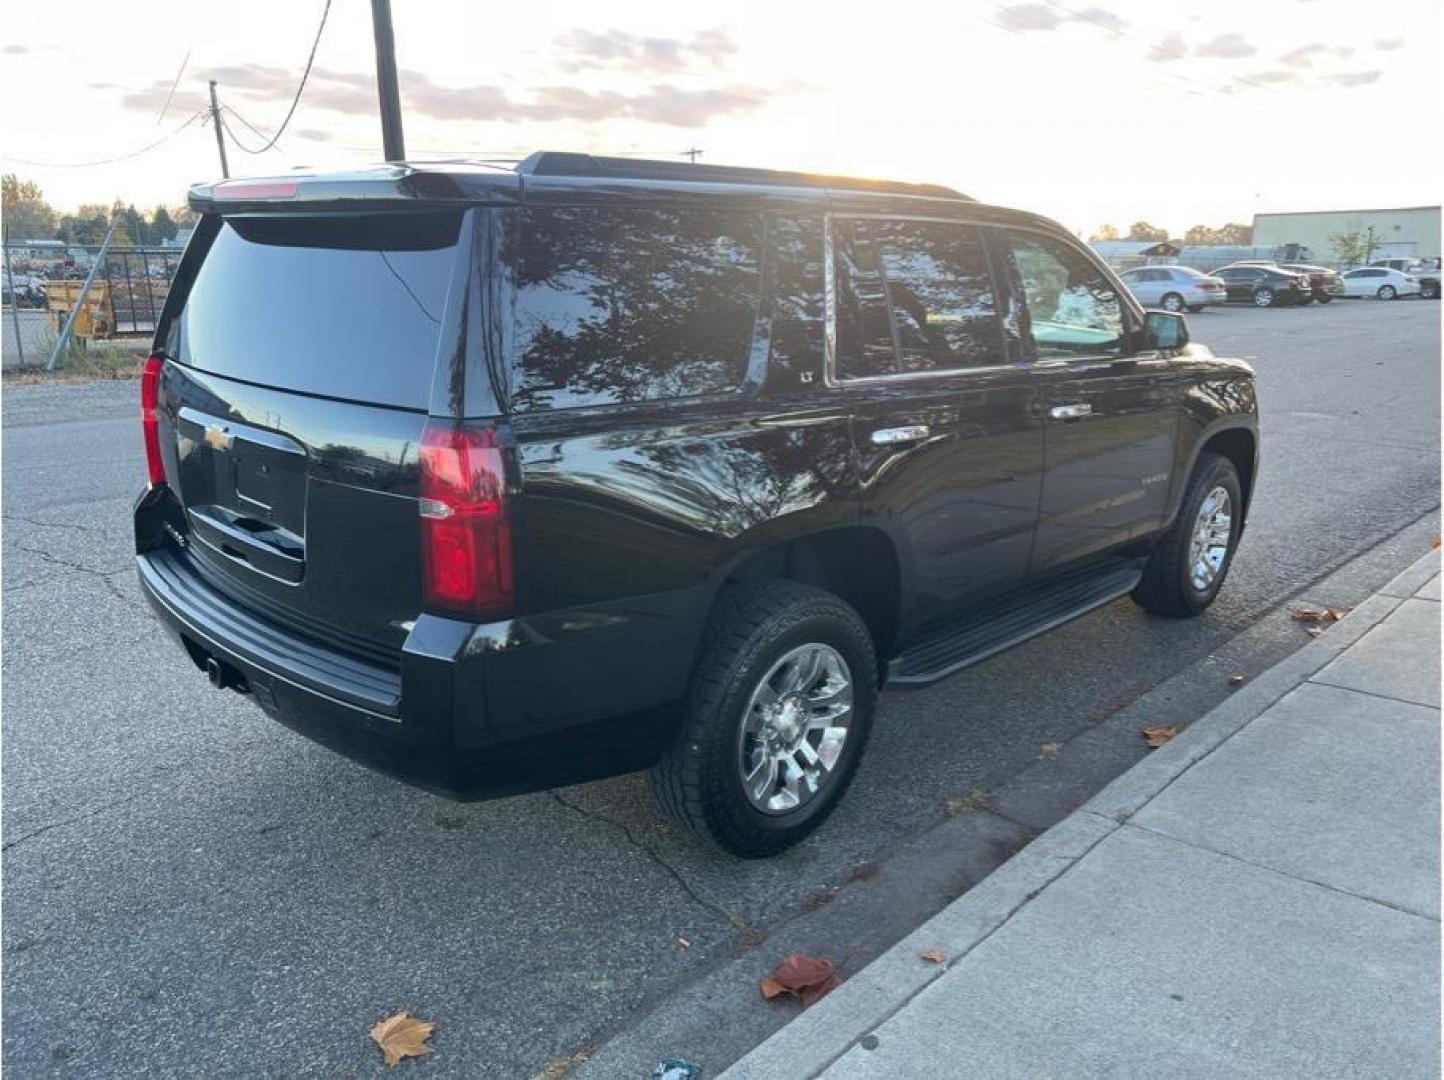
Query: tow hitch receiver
{"points": [[224, 677]]}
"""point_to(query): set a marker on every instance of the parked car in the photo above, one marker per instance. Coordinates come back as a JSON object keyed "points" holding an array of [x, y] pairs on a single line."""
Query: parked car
{"points": [[1426, 270], [1264, 285], [498, 480], [1173, 288], [1325, 284], [1381, 282]]}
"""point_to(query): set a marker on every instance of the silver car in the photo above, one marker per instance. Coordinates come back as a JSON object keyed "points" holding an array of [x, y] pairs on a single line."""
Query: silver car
{"points": [[1174, 288]]}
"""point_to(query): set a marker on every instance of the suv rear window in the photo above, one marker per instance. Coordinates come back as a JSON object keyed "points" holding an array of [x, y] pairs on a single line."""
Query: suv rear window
{"points": [[633, 305], [347, 307]]}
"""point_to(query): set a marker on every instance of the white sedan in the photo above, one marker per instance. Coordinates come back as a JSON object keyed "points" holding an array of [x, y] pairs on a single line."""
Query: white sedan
{"points": [[1380, 281]]}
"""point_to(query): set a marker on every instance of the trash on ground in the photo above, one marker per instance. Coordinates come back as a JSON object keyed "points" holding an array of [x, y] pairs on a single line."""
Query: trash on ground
{"points": [[1155, 735], [676, 1069], [1318, 614], [402, 1036], [807, 978], [934, 956]]}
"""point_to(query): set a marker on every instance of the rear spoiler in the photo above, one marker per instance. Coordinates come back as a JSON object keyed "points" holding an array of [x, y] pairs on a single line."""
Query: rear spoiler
{"points": [[384, 185]]}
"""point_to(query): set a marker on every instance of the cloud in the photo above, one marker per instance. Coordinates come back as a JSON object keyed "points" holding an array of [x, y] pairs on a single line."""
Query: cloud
{"points": [[582, 49], [313, 134], [1172, 47], [1354, 78], [1302, 57], [1226, 47], [15, 50], [1274, 76], [1388, 44], [1028, 17], [354, 94], [1098, 16]]}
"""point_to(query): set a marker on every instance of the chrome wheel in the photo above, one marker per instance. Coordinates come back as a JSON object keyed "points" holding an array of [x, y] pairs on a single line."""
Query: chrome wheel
{"points": [[1263, 298], [1387, 292], [794, 729], [1212, 531], [1173, 302]]}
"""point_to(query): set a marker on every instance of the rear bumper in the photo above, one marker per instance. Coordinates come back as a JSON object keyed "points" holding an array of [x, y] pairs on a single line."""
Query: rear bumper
{"points": [[469, 711]]}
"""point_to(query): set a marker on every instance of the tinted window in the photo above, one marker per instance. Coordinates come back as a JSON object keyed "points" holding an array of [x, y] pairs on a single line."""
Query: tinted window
{"points": [[1073, 308], [633, 305], [346, 307], [915, 296]]}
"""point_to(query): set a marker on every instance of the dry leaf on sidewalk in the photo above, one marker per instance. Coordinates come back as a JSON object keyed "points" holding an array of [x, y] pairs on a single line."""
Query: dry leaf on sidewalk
{"points": [[402, 1036], [1051, 750], [934, 956], [1155, 735], [807, 978], [1318, 614]]}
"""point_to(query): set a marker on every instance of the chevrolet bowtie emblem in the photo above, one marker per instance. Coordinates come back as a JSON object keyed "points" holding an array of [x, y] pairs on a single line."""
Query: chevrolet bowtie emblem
{"points": [[218, 438]]}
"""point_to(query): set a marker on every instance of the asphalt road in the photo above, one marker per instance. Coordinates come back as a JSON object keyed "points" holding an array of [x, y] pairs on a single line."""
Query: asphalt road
{"points": [[190, 890]]}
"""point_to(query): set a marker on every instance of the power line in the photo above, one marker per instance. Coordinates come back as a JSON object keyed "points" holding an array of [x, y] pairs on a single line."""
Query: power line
{"points": [[174, 83], [105, 161], [326, 11]]}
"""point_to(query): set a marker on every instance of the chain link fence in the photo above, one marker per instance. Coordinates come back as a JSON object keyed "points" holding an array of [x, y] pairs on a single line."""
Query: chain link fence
{"points": [[42, 283]]}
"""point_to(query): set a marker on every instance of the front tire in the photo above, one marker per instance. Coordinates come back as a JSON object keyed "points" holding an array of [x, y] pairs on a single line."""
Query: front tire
{"points": [[1388, 292], [1324, 299], [1190, 562], [775, 721], [1263, 297]]}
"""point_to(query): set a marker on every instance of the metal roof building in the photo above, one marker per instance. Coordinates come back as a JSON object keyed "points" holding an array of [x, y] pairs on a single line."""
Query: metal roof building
{"points": [[1401, 232]]}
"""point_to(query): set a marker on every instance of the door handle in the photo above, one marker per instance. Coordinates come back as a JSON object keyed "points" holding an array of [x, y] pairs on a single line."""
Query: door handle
{"points": [[894, 435], [1071, 412]]}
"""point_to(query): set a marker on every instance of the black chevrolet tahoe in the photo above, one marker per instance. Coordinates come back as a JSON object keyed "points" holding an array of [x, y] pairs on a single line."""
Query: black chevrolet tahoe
{"points": [[503, 479]]}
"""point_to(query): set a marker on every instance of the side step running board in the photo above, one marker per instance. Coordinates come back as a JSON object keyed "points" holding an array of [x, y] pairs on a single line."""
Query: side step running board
{"points": [[983, 633]]}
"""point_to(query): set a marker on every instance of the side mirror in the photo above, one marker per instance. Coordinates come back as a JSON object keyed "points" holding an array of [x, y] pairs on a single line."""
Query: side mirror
{"points": [[1167, 331]]}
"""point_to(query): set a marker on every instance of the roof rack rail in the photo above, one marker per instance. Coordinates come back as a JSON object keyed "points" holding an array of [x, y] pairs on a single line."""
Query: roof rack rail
{"points": [[561, 163]]}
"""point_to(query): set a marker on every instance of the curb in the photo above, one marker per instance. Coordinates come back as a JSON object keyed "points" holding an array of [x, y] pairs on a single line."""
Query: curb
{"points": [[818, 1037]]}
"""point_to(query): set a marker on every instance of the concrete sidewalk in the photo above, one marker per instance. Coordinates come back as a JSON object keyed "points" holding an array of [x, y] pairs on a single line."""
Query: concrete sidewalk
{"points": [[1260, 897]]}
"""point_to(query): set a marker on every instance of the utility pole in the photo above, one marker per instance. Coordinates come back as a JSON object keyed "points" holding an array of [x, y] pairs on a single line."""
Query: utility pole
{"points": [[692, 154], [220, 135], [387, 88]]}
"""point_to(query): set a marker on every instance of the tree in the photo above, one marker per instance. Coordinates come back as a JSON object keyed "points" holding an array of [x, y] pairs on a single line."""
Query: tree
{"points": [[162, 226], [1141, 230], [1354, 245], [86, 226], [1104, 232], [1235, 233], [1200, 235], [27, 216]]}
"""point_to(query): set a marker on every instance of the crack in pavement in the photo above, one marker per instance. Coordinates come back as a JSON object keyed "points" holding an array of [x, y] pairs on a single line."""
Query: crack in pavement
{"points": [[737, 922], [103, 575], [52, 524], [69, 821]]}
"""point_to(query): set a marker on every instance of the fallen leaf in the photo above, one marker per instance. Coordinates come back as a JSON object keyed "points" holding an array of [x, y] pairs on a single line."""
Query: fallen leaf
{"points": [[1052, 749], [1318, 614], [684, 943], [976, 799], [1155, 735], [807, 978], [402, 1036], [1235, 680], [934, 956], [1434, 543]]}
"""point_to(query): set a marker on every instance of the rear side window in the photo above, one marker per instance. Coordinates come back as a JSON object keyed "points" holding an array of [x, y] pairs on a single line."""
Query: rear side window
{"points": [[1073, 308], [347, 306], [914, 296], [616, 305]]}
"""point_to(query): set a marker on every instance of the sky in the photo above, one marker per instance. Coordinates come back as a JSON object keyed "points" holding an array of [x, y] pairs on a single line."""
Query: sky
{"points": [[1177, 113]]}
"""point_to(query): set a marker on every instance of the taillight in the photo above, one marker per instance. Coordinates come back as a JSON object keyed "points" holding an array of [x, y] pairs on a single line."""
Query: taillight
{"points": [[465, 530], [149, 420]]}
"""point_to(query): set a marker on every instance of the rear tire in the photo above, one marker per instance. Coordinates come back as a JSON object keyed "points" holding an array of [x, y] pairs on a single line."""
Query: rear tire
{"points": [[1388, 292], [743, 712], [1429, 290], [1172, 302], [1263, 297], [1183, 574], [1324, 299]]}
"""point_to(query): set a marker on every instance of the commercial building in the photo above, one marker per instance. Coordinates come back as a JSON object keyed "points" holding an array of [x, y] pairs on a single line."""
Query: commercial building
{"points": [[1403, 232]]}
